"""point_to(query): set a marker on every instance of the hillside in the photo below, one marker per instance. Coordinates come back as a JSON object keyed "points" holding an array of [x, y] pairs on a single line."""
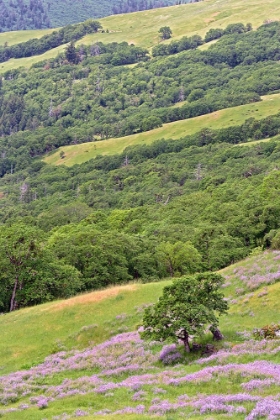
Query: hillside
{"points": [[168, 192], [141, 28], [127, 163], [77, 154], [76, 359], [37, 14]]}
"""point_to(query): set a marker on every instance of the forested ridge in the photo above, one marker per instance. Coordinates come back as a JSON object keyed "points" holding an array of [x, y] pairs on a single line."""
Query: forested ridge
{"points": [[88, 93], [172, 208]]}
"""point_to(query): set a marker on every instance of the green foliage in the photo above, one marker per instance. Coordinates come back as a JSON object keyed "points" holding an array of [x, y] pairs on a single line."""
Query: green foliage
{"points": [[179, 258], [16, 15], [165, 32], [97, 98], [31, 274], [185, 309], [175, 47], [171, 208], [38, 46]]}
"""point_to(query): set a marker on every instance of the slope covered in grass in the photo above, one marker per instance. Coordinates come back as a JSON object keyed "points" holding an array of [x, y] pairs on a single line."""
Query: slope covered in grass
{"points": [[97, 365], [15, 37], [141, 28], [80, 153]]}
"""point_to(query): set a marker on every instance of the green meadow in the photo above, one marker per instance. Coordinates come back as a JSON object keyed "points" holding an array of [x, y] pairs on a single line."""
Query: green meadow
{"points": [[80, 153], [141, 28], [15, 37], [31, 334]]}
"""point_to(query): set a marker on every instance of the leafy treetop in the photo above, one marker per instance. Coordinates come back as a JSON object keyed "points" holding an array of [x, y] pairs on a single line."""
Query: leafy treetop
{"points": [[185, 308], [165, 32]]}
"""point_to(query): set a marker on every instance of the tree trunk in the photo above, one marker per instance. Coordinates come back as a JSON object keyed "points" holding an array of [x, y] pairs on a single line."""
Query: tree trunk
{"points": [[13, 298], [217, 335], [186, 342], [170, 268]]}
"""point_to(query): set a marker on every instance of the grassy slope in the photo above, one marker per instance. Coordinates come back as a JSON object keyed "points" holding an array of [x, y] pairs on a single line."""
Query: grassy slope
{"points": [[219, 119], [15, 37], [15, 63], [31, 334], [141, 28]]}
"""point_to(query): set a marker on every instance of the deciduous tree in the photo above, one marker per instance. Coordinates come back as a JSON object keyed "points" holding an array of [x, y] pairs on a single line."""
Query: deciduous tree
{"points": [[185, 309]]}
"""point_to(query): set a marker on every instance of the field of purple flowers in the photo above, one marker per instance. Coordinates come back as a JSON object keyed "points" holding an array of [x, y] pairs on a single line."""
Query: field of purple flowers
{"points": [[259, 270], [127, 378], [125, 375]]}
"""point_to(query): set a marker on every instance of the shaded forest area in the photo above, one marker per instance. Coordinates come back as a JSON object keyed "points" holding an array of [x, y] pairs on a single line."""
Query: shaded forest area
{"points": [[17, 15]]}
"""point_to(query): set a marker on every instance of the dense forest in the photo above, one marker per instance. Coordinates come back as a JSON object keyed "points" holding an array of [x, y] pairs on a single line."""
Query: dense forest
{"points": [[172, 208], [17, 15], [128, 6]]}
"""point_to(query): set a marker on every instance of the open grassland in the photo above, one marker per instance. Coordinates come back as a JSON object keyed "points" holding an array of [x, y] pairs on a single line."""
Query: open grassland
{"points": [[220, 119], [141, 28], [113, 373], [27, 62], [15, 37]]}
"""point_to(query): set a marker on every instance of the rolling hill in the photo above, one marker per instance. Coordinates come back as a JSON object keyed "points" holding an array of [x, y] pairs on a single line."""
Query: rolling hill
{"points": [[120, 171], [77, 154], [19, 15], [75, 358], [141, 28]]}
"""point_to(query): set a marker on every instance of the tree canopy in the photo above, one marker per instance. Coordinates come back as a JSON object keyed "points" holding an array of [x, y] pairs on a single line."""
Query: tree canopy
{"points": [[165, 32], [185, 309]]}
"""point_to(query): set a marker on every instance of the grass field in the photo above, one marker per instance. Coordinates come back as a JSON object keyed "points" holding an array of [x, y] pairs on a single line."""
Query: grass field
{"points": [[15, 37], [27, 62], [224, 118], [133, 384], [141, 28]]}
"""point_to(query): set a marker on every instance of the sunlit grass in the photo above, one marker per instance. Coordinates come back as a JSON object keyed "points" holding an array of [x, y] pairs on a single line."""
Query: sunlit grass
{"points": [[141, 28], [15, 37], [31, 334], [220, 119]]}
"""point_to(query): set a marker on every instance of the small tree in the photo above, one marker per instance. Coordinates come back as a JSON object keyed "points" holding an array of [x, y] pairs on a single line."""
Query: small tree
{"points": [[71, 53], [165, 32], [185, 308]]}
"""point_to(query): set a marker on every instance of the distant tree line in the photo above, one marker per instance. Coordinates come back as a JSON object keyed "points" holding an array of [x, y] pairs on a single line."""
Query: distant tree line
{"points": [[190, 43], [115, 54], [128, 6], [19, 15], [39, 46]]}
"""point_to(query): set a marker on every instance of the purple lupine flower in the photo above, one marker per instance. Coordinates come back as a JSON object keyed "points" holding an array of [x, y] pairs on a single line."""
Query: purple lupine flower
{"points": [[80, 413], [169, 354]]}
